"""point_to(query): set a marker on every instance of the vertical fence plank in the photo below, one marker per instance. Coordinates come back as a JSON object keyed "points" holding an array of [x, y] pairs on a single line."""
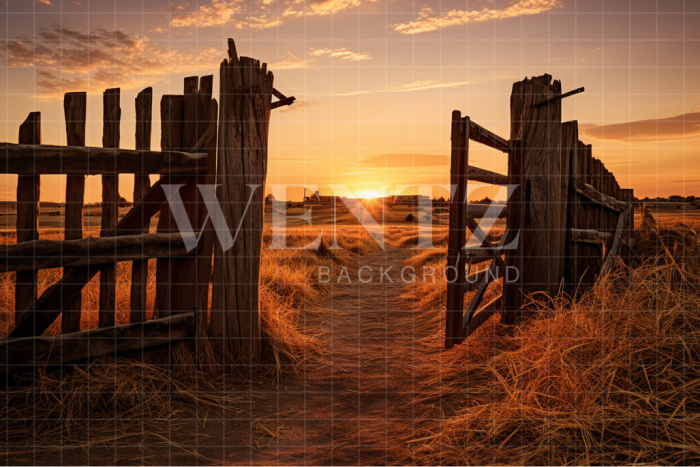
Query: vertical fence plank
{"points": [[515, 215], [171, 116], [27, 217], [544, 227], [142, 182], [570, 154], [246, 94], [184, 280], [457, 233], [205, 258], [110, 205], [75, 110]]}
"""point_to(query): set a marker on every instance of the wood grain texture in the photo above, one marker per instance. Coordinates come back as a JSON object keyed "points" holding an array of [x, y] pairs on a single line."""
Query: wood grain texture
{"points": [[477, 174], [196, 118], [486, 137], [34, 352], [244, 116], [97, 161], [171, 117], [544, 228], [138, 299], [75, 110], [457, 231], [515, 216], [110, 205], [44, 254], [28, 191]]}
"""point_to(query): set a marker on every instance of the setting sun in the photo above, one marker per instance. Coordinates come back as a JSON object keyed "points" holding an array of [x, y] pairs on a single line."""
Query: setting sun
{"points": [[370, 194]]}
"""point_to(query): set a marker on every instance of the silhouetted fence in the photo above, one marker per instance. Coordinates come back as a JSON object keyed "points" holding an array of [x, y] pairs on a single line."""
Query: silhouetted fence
{"points": [[189, 157]]}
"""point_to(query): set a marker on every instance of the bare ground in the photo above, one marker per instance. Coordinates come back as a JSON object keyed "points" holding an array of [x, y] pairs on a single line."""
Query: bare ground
{"points": [[357, 409]]}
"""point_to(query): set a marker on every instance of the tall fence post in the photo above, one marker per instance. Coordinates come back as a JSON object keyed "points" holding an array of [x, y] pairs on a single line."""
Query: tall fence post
{"points": [[244, 117], [27, 217], [456, 263], [75, 109], [110, 206], [544, 225], [142, 182]]}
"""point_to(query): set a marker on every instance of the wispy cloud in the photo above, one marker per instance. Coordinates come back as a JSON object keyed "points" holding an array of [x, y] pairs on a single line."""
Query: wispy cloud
{"points": [[408, 87], [225, 13], [67, 59], [46, 2], [428, 21], [342, 54], [258, 15], [680, 126]]}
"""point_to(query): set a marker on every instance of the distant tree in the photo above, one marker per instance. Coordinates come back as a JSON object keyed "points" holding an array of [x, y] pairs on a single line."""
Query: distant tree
{"points": [[122, 202], [676, 198], [269, 199], [690, 199]]}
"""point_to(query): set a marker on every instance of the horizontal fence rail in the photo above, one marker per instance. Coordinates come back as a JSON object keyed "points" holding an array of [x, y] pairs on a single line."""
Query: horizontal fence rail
{"points": [[47, 160]]}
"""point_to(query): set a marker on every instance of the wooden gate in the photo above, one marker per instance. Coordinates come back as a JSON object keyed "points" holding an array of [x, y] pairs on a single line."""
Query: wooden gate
{"points": [[566, 216], [189, 157]]}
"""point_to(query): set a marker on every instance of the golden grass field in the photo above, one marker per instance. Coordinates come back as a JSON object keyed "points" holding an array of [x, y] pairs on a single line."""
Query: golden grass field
{"points": [[611, 378]]}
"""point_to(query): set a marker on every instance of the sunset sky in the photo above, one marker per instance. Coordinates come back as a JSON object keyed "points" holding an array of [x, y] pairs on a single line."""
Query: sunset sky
{"points": [[376, 81]]}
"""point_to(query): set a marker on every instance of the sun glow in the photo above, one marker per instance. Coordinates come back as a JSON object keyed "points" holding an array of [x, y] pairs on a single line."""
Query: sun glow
{"points": [[370, 194]]}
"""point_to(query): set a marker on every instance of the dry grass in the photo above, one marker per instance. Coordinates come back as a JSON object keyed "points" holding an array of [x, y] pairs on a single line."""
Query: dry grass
{"points": [[610, 379], [138, 401]]}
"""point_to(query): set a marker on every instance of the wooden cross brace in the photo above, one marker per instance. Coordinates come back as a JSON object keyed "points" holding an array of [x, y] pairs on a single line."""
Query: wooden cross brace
{"points": [[283, 100]]}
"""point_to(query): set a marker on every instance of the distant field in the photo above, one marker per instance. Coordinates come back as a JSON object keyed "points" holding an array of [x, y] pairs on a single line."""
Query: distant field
{"points": [[51, 218]]}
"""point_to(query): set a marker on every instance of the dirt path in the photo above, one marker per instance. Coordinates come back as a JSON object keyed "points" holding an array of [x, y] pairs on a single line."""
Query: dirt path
{"points": [[356, 409]]}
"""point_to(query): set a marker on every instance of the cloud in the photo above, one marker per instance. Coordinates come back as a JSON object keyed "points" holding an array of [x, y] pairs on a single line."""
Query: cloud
{"points": [[409, 87], [225, 13], [342, 54], [67, 59], [46, 2], [427, 21], [257, 16], [680, 126], [326, 7], [405, 160]]}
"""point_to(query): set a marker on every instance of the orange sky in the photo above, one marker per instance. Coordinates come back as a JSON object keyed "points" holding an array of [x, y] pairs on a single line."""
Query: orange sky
{"points": [[376, 81]]}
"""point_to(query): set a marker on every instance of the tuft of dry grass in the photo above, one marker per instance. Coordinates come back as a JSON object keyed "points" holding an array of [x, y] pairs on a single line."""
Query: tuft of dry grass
{"points": [[609, 379]]}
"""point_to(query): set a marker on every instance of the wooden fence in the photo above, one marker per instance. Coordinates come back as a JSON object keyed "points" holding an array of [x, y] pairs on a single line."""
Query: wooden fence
{"points": [[566, 216], [189, 156]]}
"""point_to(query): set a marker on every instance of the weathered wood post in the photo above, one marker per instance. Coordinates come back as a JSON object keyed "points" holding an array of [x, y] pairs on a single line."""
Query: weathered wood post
{"points": [[244, 117], [570, 152], [142, 182], [544, 225], [75, 109], [171, 121], [27, 217], [515, 215], [197, 135], [455, 271], [110, 206]]}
